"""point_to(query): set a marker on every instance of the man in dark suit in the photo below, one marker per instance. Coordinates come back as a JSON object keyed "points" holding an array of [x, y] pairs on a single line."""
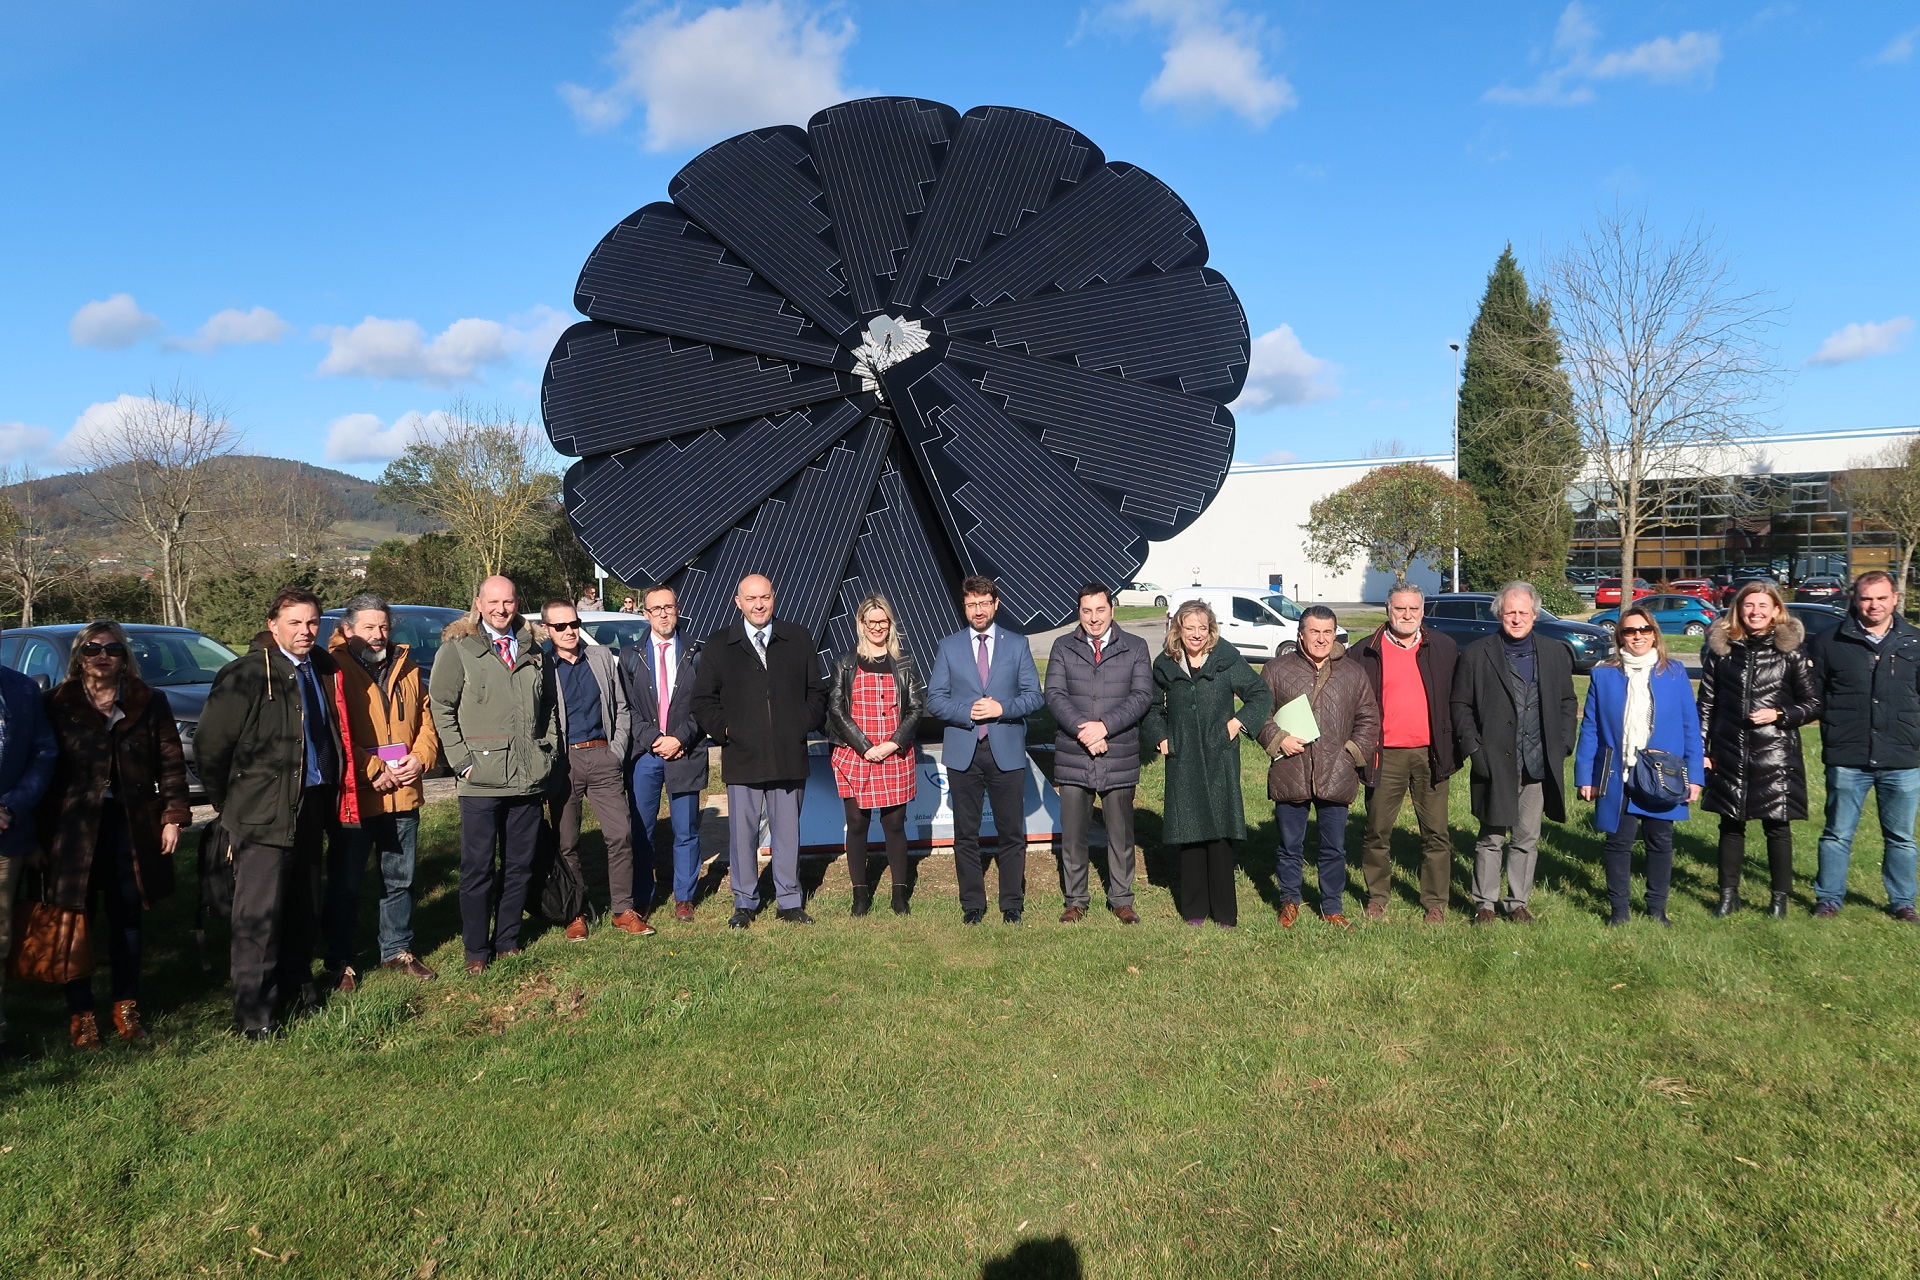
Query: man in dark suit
{"points": [[669, 752], [985, 686], [758, 694]]}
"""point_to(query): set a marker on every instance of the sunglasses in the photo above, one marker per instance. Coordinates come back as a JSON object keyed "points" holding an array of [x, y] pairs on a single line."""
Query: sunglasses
{"points": [[1636, 631], [93, 649], [563, 626]]}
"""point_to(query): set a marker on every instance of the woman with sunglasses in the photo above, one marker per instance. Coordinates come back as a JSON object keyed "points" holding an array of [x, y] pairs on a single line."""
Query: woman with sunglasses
{"points": [[1756, 690], [1638, 760], [111, 820], [874, 704]]}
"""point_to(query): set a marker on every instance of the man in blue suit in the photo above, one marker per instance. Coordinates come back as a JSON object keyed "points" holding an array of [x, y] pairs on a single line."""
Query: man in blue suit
{"points": [[669, 753], [985, 686], [27, 753]]}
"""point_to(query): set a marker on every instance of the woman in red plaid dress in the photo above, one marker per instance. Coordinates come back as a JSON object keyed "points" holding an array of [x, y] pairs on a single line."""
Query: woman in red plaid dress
{"points": [[873, 707]]}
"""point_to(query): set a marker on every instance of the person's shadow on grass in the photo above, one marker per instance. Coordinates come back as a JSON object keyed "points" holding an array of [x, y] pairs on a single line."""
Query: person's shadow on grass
{"points": [[1054, 1259]]}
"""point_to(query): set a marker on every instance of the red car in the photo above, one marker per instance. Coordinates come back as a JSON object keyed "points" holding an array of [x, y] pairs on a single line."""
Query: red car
{"points": [[1608, 592], [1699, 588]]}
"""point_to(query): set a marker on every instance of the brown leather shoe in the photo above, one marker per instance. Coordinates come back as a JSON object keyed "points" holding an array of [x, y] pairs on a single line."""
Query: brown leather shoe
{"points": [[476, 967], [1520, 915], [1338, 920], [1073, 915], [1126, 915], [1436, 916], [1484, 916], [126, 1020], [683, 912], [634, 923], [84, 1031], [1376, 911], [577, 929], [406, 962], [346, 982], [1289, 912]]}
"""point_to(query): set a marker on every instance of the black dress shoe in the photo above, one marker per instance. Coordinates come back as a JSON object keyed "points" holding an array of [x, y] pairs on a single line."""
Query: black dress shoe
{"points": [[1660, 918], [794, 915], [973, 917], [862, 899], [1011, 917], [740, 919], [258, 1034], [901, 905], [1729, 903], [1614, 922], [1779, 908]]}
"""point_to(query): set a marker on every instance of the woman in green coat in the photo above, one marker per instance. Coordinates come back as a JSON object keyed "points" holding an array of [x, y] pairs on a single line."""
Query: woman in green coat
{"points": [[1192, 717]]}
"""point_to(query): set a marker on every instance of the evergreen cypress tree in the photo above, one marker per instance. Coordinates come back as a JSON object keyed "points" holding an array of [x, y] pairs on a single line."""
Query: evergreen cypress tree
{"points": [[1519, 445]]}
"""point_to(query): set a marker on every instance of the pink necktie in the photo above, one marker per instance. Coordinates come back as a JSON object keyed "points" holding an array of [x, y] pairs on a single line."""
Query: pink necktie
{"points": [[981, 663], [662, 695], [505, 645]]}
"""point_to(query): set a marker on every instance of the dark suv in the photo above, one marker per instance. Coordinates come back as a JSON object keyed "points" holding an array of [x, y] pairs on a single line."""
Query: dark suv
{"points": [[1469, 615], [418, 626]]}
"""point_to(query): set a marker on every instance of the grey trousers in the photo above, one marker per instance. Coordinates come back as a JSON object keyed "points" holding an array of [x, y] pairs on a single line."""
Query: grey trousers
{"points": [[781, 805], [593, 774], [1076, 815], [1521, 844]]}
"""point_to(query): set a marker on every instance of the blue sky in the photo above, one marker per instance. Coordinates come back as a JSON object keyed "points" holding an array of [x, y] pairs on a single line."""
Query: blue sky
{"points": [[334, 217]]}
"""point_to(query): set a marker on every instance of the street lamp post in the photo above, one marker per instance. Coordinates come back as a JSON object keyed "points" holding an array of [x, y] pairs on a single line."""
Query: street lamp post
{"points": [[1456, 457]]}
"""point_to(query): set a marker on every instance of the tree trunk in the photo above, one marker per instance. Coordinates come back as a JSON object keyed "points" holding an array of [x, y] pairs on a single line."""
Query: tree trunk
{"points": [[1899, 584]]}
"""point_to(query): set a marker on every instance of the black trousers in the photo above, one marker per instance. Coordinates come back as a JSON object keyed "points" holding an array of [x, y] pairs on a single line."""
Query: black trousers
{"points": [[1733, 852], [1006, 789], [276, 909], [1617, 856], [112, 880], [893, 825], [509, 826], [1206, 883]]}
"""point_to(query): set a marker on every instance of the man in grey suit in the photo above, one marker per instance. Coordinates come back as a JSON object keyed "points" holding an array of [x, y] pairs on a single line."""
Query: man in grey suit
{"points": [[594, 726], [984, 686]]}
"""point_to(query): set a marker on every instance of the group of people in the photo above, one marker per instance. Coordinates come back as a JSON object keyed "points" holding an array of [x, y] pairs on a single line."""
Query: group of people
{"points": [[315, 758]]}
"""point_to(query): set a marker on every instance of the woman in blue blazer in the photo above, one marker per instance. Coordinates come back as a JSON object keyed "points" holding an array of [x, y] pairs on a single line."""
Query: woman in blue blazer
{"points": [[1640, 700]]}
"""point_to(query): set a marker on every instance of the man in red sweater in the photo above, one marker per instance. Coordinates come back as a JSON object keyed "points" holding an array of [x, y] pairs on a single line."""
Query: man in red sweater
{"points": [[1411, 668]]}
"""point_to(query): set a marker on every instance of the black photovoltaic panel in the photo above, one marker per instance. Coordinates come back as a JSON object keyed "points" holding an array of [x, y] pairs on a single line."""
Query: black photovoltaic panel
{"points": [[658, 271], [1006, 164], [1183, 330], [609, 388], [757, 195], [1068, 408], [647, 512], [1117, 223], [877, 159]]}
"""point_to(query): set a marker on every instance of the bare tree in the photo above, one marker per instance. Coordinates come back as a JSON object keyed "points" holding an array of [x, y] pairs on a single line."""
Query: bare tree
{"points": [[273, 510], [153, 472], [1667, 365], [482, 471], [1884, 487], [32, 560]]}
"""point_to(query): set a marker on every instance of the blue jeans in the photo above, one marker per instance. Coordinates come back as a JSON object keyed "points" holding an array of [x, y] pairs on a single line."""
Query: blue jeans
{"points": [[683, 810], [396, 837], [1287, 866], [1898, 791]]}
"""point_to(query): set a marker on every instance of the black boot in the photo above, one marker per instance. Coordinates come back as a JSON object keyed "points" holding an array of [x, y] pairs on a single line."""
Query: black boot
{"points": [[1779, 908], [1729, 902], [862, 899], [901, 907]]}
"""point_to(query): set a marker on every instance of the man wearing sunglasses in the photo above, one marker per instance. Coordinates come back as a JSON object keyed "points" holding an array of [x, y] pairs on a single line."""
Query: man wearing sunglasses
{"points": [[594, 725]]}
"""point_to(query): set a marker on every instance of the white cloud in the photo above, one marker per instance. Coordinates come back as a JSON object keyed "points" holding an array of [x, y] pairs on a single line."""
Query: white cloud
{"points": [[1863, 341], [22, 441], [1283, 373], [102, 418], [1215, 59], [1899, 49], [363, 437], [400, 349], [112, 324], [1574, 64], [723, 71], [234, 328]]}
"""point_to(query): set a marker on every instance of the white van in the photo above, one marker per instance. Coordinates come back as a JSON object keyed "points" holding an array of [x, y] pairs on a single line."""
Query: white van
{"points": [[1260, 622]]}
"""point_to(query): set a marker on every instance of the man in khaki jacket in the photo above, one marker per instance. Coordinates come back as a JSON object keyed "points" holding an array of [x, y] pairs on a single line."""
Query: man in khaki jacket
{"points": [[394, 745]]}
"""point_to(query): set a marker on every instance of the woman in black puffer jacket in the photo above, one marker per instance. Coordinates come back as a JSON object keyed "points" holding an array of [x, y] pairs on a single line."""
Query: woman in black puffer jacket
{"points": [[1756, 691]]}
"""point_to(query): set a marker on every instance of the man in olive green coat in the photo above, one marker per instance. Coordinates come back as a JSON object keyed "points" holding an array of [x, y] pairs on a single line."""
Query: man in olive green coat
{"points": [[492, 694]]}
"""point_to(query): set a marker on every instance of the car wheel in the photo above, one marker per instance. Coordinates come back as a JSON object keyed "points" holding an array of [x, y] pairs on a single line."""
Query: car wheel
{"points": [[1696, 628], [1159, 602], [1285, 649]]}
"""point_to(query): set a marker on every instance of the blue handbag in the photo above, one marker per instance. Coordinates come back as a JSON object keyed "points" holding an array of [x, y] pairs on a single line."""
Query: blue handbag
{"points": [[1658, 779]]}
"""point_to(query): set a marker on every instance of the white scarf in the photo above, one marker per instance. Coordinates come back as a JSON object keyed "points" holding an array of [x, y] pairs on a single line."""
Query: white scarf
{"points": [[1637, 724]]}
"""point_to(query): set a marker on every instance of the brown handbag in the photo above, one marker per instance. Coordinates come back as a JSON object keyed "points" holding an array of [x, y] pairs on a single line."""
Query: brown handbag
{"points": [[50, 944]]}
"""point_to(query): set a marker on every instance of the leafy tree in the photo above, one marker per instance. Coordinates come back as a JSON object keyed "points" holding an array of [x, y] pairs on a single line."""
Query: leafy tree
{"points": [[1884, 488], [1395, 516], [124, 597], [431, 569], [232, 606], [1519, 444]]}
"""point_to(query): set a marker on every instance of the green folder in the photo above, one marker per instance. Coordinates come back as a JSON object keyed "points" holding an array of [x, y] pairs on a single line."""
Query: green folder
{"points": [[1296, 719]]}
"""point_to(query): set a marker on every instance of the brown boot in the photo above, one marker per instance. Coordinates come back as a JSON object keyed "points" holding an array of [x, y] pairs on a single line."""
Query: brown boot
{"points": [[84, 1031], [126, 1020]]}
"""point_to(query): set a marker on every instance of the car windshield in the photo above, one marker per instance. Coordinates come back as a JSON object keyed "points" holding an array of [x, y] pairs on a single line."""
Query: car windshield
{"points": [[419, 630], [1284, 607], [178, 657], [618, 633]]}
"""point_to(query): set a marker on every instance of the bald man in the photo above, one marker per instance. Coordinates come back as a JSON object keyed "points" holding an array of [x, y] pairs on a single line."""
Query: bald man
{"points": [[758, 695], [494, 706]]}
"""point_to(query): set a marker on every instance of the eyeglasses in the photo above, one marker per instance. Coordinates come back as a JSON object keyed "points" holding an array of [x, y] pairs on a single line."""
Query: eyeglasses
{"points": [[1636, 631], [93, 649], [661, 608], [563, 626]]}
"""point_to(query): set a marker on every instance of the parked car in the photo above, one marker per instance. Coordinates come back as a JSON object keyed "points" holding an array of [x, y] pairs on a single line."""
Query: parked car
{"points": [[614, 630], [1468, 615], [1818, 619], [1675, 615], [1608, 592], [179, 660], [418, 626], [1583, 582], [1145, 594], [1699, 588], [1824, 589], [1259, 623]]}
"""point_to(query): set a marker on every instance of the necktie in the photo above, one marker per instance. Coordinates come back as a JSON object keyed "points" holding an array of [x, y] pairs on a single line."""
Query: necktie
{"points": [[760, 646], [505, 646], [662, 693], [980, 661], [1097, 641]]}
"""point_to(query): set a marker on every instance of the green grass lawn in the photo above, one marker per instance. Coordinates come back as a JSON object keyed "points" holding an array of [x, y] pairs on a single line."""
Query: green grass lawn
{"points": [[908, 1097]]}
